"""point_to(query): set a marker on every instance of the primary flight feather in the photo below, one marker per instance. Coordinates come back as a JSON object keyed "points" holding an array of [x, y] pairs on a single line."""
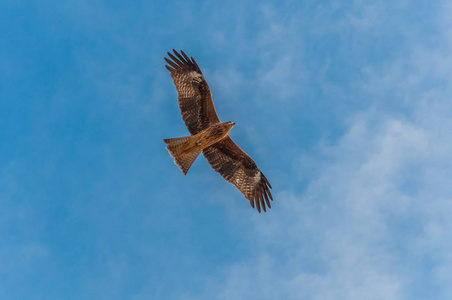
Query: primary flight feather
{"points": [[209, 135]]}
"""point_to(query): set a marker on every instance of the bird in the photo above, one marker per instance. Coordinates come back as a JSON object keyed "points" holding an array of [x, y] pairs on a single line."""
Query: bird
{"points": [[211, 136]]}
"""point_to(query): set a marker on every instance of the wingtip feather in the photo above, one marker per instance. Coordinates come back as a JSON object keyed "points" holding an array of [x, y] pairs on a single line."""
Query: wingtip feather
{"points": [[266, 198], [181, 58], [258, 204], [181, 61], [261, 199]]}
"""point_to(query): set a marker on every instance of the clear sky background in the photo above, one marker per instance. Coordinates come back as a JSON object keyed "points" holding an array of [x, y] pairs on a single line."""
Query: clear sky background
{"points": [[346, 106]]}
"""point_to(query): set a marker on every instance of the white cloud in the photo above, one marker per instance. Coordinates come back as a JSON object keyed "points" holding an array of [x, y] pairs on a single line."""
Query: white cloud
{"points": [[379, 206], [374, 221]]}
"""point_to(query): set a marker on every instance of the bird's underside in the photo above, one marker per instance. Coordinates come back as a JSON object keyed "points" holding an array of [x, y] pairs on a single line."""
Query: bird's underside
{"points": [[210, 136], [184, 150]]}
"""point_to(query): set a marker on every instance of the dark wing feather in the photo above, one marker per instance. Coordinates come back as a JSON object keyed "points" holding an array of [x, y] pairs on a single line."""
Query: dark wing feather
{"points": [[193, 93], [235, 166]]}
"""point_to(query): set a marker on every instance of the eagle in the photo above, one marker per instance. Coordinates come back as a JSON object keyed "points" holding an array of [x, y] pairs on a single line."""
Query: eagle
{"points": [[209, 135]]}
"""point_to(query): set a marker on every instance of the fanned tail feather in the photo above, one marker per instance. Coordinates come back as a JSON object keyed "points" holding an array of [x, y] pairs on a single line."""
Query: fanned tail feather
{"points": [[181, 158]]}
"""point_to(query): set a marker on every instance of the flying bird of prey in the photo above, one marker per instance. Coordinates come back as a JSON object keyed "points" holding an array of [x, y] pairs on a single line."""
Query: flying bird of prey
{"points": [[209, 135]]}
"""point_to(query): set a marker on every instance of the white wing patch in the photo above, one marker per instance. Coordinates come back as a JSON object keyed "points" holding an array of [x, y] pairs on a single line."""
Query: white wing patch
{"points": [[257, 178], [196, 76]]}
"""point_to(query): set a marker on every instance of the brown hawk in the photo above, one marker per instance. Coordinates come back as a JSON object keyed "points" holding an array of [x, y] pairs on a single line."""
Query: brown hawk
{"points": [[210, 135]]}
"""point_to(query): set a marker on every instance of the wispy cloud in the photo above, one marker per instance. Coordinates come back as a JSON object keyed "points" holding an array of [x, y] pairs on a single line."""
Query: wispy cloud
{"points": [[373, 221], [345, 106], [372, 225]]}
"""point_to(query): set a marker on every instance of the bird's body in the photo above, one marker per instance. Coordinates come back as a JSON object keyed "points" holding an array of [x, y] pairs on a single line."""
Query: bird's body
{"points": [[210, 136], [186, 149]]}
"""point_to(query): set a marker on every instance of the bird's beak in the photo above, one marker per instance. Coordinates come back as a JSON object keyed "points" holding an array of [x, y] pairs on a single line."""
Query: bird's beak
{"points": [[233, 123]]}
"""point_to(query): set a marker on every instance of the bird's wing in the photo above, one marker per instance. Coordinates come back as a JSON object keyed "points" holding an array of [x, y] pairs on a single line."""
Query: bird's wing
{"points": [[193, 93], [236, 167]]}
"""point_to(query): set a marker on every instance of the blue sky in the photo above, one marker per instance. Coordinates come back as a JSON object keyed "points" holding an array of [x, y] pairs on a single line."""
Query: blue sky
{"points": [[345, 106]]}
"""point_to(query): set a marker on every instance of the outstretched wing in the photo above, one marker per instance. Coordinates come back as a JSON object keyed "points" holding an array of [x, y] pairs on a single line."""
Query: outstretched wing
{"points": [[193, 93], [235, 166]]}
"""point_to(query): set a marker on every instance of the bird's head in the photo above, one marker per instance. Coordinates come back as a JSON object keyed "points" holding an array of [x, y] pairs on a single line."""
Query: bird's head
{"points": [[228, 125]]}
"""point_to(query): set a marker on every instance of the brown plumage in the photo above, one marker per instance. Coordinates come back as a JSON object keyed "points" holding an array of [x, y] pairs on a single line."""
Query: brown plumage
{"points": [[210, 136]]}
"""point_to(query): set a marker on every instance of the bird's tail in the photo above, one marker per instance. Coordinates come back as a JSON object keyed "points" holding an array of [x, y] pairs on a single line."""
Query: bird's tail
{"points": [[178, 149]]}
